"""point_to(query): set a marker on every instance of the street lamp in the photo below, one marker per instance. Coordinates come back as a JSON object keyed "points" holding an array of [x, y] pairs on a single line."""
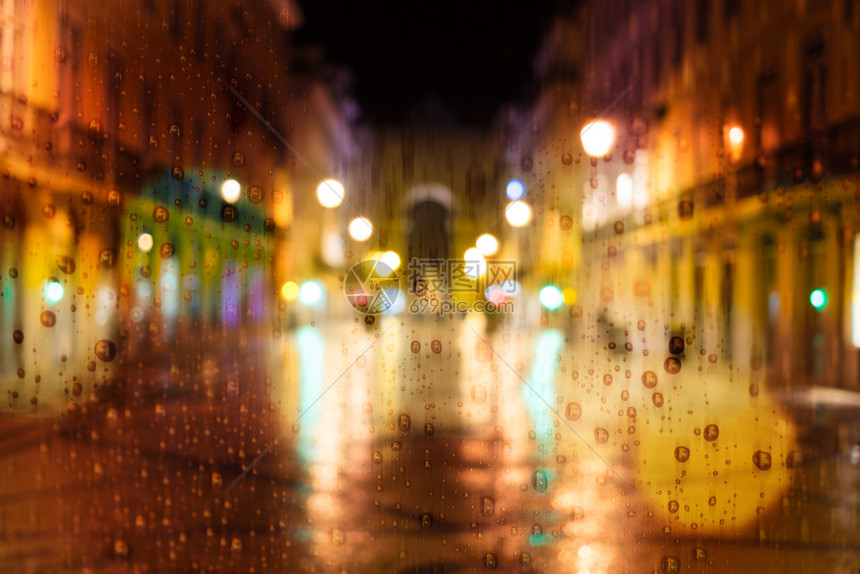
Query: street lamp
{"points": [[360, 228], [518, 213], [230, 191], [330, 193], [597, 138], [487, 244]]}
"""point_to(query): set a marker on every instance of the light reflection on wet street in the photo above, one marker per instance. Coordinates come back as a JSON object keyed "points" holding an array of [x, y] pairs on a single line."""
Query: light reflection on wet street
{"points": [[430, 454]]}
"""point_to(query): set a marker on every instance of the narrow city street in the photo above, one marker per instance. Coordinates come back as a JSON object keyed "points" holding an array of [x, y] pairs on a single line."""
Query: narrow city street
{"points": [[428, 453]]}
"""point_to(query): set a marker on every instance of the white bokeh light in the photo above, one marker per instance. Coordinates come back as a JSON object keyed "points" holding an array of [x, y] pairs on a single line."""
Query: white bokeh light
{"points": [[518, 213], [487, 244], [360, 228], [330, 193], [476, 265], [515, 190], [145, 242], [597, 138], [230, 191]]}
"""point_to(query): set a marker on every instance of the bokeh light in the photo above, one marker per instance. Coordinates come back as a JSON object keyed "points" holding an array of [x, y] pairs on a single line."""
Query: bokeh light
{"points": [[360, 228], [550, 297], [330, 193], [145, 242], [230, 191], [518, 213], [597, 138], [515, 190], [310, 293], [476, 265], [53, 291], [290, 291], [487, 244], [390, 260]]}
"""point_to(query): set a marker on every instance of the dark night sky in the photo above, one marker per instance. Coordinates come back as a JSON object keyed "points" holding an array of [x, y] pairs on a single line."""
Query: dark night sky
{"points": [[473, 55]]}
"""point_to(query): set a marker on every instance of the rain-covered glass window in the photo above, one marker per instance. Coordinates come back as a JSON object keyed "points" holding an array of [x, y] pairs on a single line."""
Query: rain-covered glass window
{"points": [[310, 286]]}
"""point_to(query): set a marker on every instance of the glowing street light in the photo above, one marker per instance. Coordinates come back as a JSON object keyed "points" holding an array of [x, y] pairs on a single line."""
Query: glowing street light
{"points": [[818, 299], [53, 291], [310, 293], [330, 193], [476, 265], [518, 213], [736, 135], [487, 244], [515, 190], [551, 297], [597, 138], [290, 291], [145, 242], [389, 260], [230, 190], [360, 228]]}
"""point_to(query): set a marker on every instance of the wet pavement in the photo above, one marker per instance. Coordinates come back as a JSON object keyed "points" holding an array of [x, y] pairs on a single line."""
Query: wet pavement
{"points": [[432, 451]]}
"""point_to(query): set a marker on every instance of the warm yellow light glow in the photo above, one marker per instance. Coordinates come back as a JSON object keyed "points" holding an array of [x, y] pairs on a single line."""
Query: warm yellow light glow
{"points": [[390, 259], [569, 294], [360, 228], [290, 291], [330, 193], [144, 242], [476, 265], [487, 244], [736, 135], [597, 138], [230, 191], [518, 213]]}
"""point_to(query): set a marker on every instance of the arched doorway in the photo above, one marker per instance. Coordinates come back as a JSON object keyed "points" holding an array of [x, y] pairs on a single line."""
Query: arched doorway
{"points": [[429, 209]]}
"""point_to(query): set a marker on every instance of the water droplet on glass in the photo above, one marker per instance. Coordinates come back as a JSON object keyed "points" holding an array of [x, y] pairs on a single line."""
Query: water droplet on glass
{"points": [[674, 506], [167, 250], [657, 399], [160, 214], [527, 163], [415, 346], [712, 432], [682, 454], [573, 411], [238, 159], [649, 379], [404, 422], [426, 520], [483, 352], [428, 429], [479, 394], [540, 481], [18, 336], [229, 213], [105, 350], [699, 554], [488, 506], [48, 319], [177, 172], [672, 366], [601, 435], [762, 460], [66, 264], [436, 346], [676, 345]]}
